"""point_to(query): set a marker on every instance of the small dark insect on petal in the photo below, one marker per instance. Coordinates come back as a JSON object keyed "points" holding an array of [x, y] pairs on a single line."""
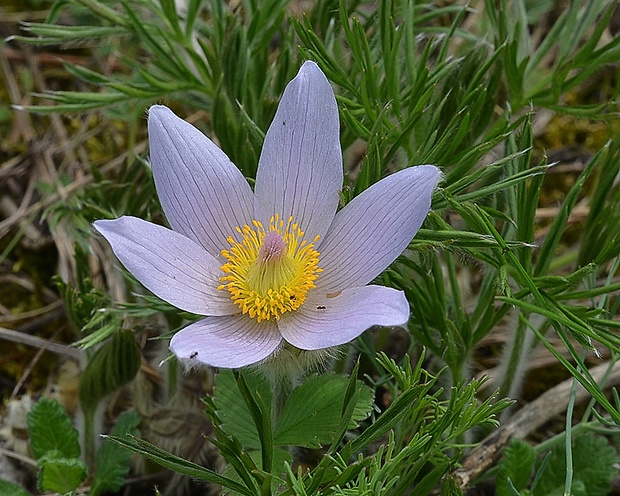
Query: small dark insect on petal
{"points": [[320, 307], [193, 355]]}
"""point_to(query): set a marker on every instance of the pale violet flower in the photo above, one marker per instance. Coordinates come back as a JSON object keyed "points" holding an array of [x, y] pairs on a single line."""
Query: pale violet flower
{"points": [[278, 264]]}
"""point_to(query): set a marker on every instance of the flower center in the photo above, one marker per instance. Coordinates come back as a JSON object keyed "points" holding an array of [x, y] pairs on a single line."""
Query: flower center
{"points": [[270, 271]]}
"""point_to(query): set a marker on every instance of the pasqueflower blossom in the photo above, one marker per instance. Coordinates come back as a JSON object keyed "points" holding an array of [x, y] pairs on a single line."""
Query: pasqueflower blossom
{"points": [[278, 264]]}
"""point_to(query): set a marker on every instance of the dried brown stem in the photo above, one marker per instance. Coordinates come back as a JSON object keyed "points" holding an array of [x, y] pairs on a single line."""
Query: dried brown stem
{"points": [[27, 339]]}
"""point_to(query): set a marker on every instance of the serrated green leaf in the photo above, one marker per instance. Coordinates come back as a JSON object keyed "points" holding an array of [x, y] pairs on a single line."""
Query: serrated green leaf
{"points": [[50, 430], [589, 479], [61, 475], [9, 489], [516, 464], [113, 459], [312, 413], [232, 409]]}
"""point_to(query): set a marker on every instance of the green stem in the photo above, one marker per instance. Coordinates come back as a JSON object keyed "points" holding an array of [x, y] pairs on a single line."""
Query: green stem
{"points": [[89, 438], [568, 481], [92, 428]]}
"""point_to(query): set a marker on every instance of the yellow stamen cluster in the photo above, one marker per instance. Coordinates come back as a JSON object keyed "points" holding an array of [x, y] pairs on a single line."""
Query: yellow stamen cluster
{"points": [[270, 271]]}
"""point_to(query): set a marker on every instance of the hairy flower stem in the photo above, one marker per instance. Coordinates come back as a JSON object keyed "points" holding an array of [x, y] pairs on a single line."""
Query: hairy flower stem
{"points": [[89, 439], [281, 387], [173, 372], [92, 426]]}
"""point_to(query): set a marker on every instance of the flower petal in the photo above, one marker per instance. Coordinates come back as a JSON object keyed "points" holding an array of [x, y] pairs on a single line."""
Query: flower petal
{"points": [[375, 227], [228, 342], [300, 168], [170, 265], [203, 194], [323, 322]]}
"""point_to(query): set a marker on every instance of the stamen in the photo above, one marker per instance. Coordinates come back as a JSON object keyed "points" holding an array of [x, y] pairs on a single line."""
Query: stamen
{"points": [[269, 272]]}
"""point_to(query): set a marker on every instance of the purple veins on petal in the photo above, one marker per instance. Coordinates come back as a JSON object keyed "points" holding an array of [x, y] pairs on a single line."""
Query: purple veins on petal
{"points": [[167, 263], [300, 167], [331, 321], [375, 227], [231, 341], [203, 194]]}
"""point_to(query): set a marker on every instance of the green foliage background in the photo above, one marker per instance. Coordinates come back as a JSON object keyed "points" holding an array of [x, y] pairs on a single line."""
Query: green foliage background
{"points": [[466, 87]]}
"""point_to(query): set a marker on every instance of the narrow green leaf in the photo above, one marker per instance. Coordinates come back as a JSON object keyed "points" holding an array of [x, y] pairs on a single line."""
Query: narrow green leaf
{"points": [[261, 416], [85, 74], [281, 457], [386, 421], [581, 373], [62, 34], [464, 239], [348, 408], [177, 464], [170, 12], [513, 180], [540, 471], [103, 11], [551, 314], [232, 409], [552, 239], [83, 97]]}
